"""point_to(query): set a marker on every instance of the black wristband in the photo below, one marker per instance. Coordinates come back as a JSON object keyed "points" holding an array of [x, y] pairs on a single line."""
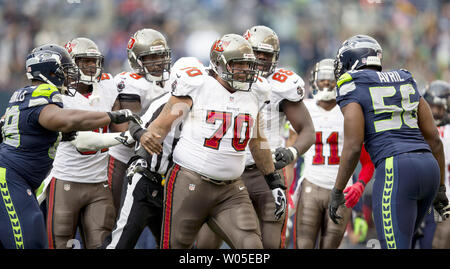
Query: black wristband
{"points": [[362, 182], [274, 181], [136, 131]]}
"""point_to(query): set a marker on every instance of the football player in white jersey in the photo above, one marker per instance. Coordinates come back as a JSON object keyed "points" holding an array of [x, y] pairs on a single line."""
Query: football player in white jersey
{"points": [[312, 226], [79, 191], [287, 91], [149, 56], [142, 203], [220, 113], [437, 95]]}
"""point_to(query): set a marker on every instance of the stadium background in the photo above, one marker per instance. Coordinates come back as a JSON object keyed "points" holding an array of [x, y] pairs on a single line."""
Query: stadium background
{"points": [[414, 34]]}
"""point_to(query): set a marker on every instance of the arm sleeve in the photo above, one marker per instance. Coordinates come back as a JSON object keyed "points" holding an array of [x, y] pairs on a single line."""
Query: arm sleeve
{"points": [[367, 167], [86, 141]]}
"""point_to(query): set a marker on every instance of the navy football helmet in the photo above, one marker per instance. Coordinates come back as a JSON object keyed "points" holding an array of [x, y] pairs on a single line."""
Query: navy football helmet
{"points": [[357, 52], [437, 94], [52, 64]]}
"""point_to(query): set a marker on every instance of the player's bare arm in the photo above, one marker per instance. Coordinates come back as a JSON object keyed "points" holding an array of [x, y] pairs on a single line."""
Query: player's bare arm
{"points": [[431, 134], [134, 106], [353, 140], [174, 109], [300, 119], [55, 118], [260, 150]]}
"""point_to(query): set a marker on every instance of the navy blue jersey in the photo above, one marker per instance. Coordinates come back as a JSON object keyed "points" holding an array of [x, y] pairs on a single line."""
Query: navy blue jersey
{"points": [[389, 101], [27, 147]]}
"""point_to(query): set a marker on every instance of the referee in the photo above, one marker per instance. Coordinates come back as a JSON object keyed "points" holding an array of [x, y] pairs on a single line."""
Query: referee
{"points": [[142, 204]]}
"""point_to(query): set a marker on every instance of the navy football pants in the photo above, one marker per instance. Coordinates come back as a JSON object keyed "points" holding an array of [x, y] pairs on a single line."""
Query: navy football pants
{"points": [[21, 219], [404, 189]]}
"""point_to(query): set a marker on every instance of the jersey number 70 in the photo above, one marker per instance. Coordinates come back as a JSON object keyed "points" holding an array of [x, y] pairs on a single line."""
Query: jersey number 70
{"points": [[239, 141]]}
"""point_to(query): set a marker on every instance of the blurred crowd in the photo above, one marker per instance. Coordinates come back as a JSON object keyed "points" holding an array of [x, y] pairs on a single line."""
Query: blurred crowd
{"points": [[414, 34]]}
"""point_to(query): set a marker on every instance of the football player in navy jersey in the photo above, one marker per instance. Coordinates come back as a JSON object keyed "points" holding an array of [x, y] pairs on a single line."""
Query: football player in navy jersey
{"points": [[33, 119], [386, 112]]}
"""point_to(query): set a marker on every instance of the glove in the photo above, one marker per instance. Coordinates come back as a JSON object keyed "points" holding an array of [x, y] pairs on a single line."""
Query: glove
{"points": [[353, 193], [125, 138], [440, 203], [336, 199], [124, 115], [69, 136], [280, 202], [361, 228], [284, 156], [138, 165], [277, 187]]}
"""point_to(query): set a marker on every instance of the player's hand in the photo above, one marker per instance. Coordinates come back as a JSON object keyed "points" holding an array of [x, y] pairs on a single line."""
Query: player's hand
{"points": [[151, 142], [137, 166], [353, 193], [440, 203], [284, 156], [125, 138], [69, 136], [336, 200], [124, 115], [280, 202]]}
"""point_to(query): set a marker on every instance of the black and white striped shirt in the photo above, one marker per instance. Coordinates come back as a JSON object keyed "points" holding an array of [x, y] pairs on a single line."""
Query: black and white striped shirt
{"points": [[160, 163]]}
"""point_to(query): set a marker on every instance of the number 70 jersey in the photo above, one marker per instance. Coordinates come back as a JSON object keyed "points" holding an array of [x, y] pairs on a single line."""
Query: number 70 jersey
{"points": [[389, 101]]}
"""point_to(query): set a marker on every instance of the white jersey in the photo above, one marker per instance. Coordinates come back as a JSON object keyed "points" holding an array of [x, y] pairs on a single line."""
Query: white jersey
{"points": [[285, 85], [218, 127], [323, 158], [90, 166], [132, 84], [444, 132]]}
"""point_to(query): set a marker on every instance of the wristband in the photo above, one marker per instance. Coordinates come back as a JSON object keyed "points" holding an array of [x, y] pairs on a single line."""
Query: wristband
{"points": [[294, 151], [274, 181], [136, 131]]}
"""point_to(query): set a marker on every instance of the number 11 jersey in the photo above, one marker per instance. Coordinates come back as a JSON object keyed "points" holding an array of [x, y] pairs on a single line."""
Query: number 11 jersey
{"points": [[389, 101]]}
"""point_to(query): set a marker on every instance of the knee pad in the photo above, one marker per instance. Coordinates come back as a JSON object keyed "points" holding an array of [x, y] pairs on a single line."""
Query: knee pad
{"points": [[186, 231], [245, 218]]}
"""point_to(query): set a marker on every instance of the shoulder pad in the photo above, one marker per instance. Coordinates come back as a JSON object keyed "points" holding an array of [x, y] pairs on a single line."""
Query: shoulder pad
{"points": [[346, 77], [287, 85], [45, 94], [188, 71], [126, 80], [106, 76], [262, 90]]}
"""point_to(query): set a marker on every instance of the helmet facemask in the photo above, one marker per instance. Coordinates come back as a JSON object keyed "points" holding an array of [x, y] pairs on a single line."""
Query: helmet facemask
{"points": [[240, 74], [322, 81], [266, 61], [154, 65], [90, 68]]}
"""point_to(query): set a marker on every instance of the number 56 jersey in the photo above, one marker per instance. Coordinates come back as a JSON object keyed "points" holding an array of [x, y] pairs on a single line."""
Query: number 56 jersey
{"points": [[389, 101], [220, 124]]}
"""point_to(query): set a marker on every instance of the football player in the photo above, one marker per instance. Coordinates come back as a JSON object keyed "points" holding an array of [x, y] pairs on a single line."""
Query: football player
{"points": [[312, 227], [33, 120], [287, 91], [149, 56], [143, 202], [221, 117], [78, 192], [386, 112]]}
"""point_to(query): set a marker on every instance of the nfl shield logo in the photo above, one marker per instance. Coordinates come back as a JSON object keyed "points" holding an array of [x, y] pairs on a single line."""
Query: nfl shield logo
{"points": [[67, 187], [191, 187], [231, 98]]}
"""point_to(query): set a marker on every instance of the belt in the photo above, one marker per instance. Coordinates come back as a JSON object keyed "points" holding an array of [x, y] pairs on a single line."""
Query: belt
{"points": [[251, 167], [219, 182]]}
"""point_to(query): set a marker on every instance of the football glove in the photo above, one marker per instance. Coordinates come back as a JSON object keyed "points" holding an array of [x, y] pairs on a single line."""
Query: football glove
{"points": [[124, 115], [125, 138], [280, 202], [353, 193], [440, 203], [284, 156], [69, 136], [277, 187], [336, 200]]}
